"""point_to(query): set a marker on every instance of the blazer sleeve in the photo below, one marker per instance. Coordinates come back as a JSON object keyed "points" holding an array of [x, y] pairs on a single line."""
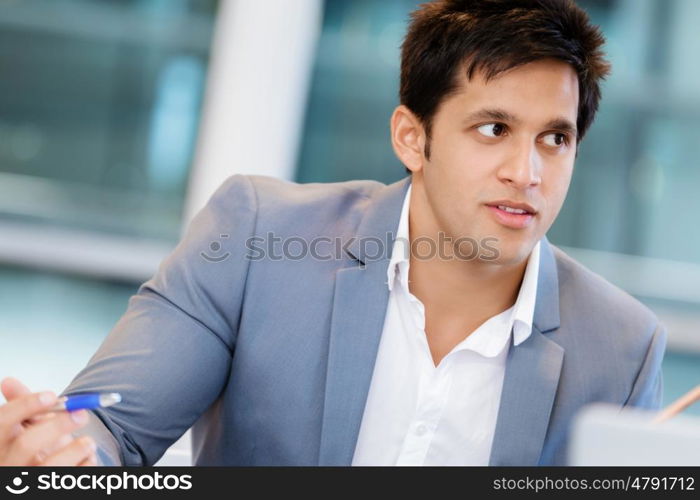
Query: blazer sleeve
{"points": [[169, 355], [647, 391]]}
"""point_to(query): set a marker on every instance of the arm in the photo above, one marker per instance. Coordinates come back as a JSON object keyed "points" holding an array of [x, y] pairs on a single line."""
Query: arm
{"points": [[647, 391], [169, 355]]}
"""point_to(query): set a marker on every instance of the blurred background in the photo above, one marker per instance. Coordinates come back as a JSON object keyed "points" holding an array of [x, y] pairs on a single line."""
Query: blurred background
{"points": [[119, 118]]}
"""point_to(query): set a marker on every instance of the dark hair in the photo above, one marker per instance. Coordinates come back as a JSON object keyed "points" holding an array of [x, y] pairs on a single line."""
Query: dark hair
{"points": [[445, 36]]}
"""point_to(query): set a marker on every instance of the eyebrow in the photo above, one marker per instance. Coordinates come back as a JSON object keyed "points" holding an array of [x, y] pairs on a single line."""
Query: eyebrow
{"points": [[559, 123]]}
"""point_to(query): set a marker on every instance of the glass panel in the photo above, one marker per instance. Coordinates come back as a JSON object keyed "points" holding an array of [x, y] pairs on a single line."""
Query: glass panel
{"points": [[633, 186], [353, 93], [99, 108]]}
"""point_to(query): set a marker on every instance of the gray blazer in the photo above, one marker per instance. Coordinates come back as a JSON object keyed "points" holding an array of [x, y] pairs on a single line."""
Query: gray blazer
{"points": [[270, 359]]}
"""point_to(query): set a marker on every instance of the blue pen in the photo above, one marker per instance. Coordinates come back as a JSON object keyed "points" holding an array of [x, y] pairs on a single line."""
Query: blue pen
{"points": [[87, 401]]}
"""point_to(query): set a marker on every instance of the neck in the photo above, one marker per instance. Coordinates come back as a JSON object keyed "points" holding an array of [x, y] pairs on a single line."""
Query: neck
{"points": [[457, 287], [449, 285]]}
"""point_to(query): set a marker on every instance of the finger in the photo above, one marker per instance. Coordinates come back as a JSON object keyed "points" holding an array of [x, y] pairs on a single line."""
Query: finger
{"points": [[78, 452], [89, 462], [62, 442], [13, 388], [39, 438], [47, 451], [21, 409], [39, 418], [20, 428]]}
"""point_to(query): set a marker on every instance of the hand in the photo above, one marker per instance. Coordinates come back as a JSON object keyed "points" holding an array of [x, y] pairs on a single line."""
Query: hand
{"points": [[28, 436]]}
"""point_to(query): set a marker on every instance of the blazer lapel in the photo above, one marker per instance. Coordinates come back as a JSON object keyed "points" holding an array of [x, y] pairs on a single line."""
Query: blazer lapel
{"points": [[531, 378], [529, 387], [359, 307]]}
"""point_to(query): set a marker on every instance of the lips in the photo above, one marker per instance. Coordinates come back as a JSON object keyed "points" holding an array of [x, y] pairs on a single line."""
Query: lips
{"points": [[519, 219], [513, 206]]}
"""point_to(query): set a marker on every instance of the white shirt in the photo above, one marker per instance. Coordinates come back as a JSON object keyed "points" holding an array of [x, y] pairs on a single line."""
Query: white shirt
{"points": [[420, 414]]}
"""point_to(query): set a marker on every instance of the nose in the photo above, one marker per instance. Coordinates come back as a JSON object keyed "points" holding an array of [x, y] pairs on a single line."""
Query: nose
{"points": [[523, 168]]}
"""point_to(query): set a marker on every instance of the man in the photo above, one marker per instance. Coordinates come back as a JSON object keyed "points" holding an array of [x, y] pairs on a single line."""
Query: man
{"points": [[425, 322]]}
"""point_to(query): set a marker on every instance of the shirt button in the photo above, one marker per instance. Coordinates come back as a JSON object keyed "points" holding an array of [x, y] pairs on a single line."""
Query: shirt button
{"points": [[421, 429]]}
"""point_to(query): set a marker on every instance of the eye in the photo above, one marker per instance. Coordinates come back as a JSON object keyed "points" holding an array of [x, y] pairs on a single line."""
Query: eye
{"points": [[555, 139], [492, 129]]}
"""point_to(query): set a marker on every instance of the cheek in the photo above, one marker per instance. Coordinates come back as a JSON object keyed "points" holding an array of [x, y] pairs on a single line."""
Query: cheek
{"points": [[558, 187], [462, 164], [459, 149]]}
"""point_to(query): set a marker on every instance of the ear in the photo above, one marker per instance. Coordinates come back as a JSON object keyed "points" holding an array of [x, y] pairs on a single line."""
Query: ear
{"points": [[407, 138]]}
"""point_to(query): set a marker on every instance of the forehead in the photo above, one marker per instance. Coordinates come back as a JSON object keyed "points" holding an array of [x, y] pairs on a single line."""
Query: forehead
{"points": [[540, 90]]}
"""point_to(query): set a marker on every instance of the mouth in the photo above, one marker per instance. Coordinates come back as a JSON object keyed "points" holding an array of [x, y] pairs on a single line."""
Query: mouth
{"points": [[511, 214]]}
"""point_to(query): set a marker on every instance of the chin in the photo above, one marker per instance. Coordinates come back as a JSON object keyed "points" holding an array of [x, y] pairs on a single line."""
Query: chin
{"points": [[510, 252]]}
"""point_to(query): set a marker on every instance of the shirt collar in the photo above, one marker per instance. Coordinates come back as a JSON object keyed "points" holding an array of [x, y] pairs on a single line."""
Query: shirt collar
{"points": [[522, 311], [400, 250], [524, 308]]}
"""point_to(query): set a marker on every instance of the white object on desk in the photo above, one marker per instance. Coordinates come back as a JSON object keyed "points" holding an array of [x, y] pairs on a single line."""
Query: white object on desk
{"points": [[604, 435]]}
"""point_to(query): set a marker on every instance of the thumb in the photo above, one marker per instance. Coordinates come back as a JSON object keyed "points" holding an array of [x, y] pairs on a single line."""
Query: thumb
{"points": [[13, 388]]}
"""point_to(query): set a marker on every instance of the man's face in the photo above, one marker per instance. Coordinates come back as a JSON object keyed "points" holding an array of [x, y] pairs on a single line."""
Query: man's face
{"points": [[511, 140]]}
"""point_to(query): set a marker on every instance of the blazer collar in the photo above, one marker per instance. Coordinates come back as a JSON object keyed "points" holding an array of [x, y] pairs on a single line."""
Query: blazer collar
{"points": [[379, 224]]}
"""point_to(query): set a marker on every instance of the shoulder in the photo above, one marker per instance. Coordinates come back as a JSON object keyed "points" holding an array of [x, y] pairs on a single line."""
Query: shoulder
{"points": [[271, 191], [281, 204], [615, 343], [592, 303]]}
